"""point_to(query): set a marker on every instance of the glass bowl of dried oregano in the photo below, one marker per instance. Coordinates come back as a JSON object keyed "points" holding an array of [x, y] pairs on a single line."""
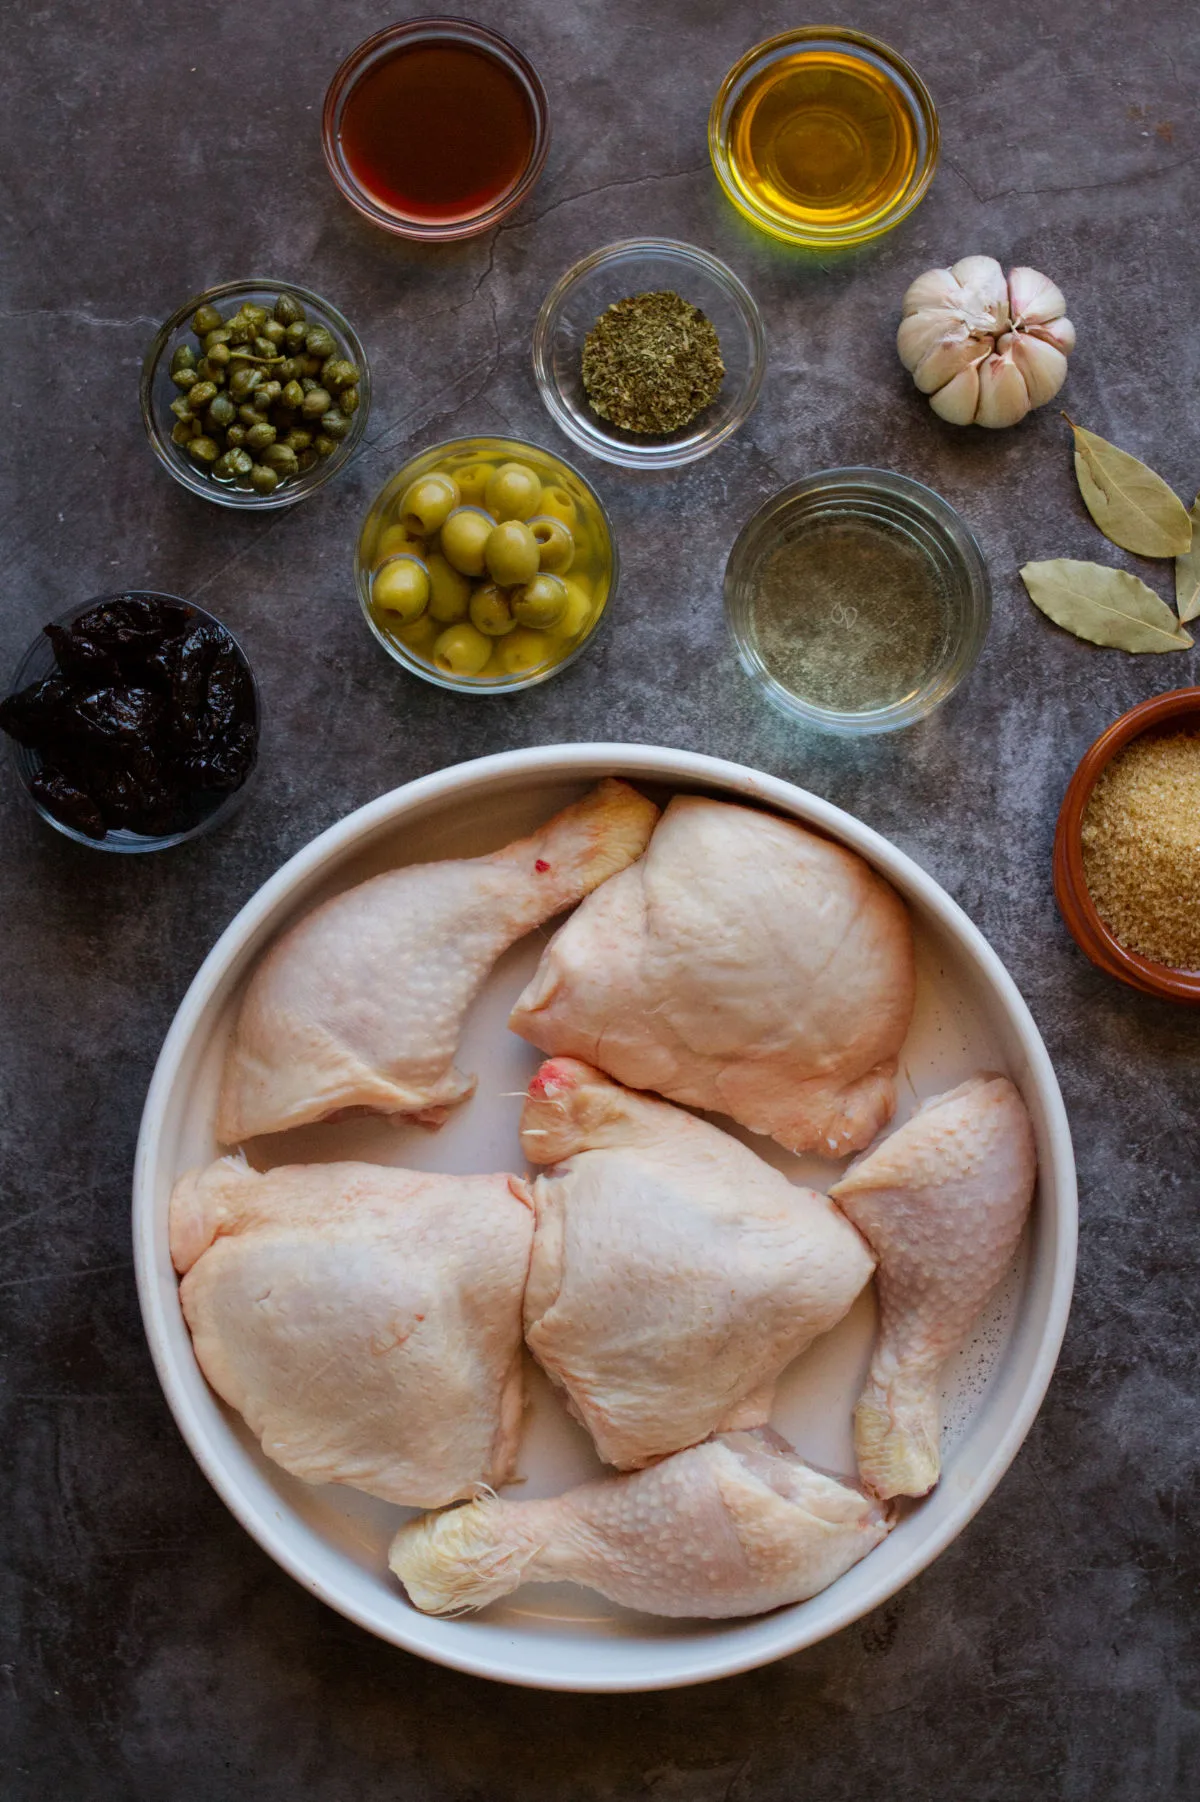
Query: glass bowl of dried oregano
{"points": [[1127, 849], [649, 353]]}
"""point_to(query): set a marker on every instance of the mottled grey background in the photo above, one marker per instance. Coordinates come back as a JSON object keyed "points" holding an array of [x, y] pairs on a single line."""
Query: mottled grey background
{"points": [[149, 1650]]}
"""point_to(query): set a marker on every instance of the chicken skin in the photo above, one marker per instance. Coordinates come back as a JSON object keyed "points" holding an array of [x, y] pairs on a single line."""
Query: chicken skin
{"points": [[674, 1273], [737, 1526], [360, 1004], [746, 966], [943, 1202], [365, 1321]]}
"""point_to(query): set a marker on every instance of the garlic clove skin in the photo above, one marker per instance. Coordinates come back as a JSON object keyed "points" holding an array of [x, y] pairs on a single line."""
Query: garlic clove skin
{"points": [[921, 333], [936, 289], [1003, 396], [957, 401], [1059, 332], [1042, 367], [986, 292], [1036, 300]]}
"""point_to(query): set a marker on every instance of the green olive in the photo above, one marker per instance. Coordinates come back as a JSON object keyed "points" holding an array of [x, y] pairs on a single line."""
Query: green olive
{"points": [[449, 590], [288, 310], [462, 650], [401, 586], [578, 610], [525, 650], [264, 480], [316, 402], [206, 319], [396, 539], [541, 603], [427, 503], [513, 492], [464, 536], [472, 479], [556, 547], [558, 504], [511, 554], [490, 611]]}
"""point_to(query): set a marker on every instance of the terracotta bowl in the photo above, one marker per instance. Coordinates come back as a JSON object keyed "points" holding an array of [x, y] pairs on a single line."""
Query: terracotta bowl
{"points": [[1181, 707]]}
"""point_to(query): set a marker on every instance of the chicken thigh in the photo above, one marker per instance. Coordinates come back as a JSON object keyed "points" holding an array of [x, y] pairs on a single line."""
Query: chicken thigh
{"points": [[943, 1202], [745, 965], [365, 1321], [674, 1273], [361, 1003], [736, 1526]]}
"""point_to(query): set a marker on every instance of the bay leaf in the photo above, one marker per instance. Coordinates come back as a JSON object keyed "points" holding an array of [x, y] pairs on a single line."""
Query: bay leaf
{"points": [[1105, 606], [1130, 504], [1187, 572]]}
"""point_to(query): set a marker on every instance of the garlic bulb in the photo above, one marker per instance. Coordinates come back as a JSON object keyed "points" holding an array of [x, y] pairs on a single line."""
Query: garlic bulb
{"points": [[984, 349]]}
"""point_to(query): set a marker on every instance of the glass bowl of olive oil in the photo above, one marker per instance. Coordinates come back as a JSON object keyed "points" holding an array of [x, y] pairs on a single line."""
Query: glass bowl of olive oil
{"points": [[823, 136], [858, 600]]}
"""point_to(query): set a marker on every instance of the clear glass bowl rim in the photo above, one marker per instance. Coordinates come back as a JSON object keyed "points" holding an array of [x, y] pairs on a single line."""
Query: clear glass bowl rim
{"points": [[481, 37], [654, 455], [731, 90], [472, 684], [973, 595], [173, 459], [24, 762]]}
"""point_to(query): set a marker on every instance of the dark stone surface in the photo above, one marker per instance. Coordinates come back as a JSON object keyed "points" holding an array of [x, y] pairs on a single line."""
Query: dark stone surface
{"points": [[150, 1650]]}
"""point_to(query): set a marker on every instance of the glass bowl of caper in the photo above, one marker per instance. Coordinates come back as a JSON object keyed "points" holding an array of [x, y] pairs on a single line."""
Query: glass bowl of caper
{"points": [[485, 565], [255, 393]]}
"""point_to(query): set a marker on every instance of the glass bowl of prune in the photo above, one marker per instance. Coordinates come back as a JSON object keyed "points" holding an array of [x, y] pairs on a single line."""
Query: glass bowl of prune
{"points": [[133, 722]]}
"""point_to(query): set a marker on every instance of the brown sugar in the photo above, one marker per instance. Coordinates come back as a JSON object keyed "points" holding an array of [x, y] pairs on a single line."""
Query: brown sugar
{"points": [[1141, 848]]}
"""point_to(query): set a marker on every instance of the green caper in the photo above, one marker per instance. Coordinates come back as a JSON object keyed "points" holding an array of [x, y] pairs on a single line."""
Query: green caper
{"points": [[320, 342], [288, 370], [240, 331], [348, 400], [199, 395], [221, 412], [209, 372], [295, 335], [298, 439], [218, 356], [264, 480], [262, 347], [292, 394], [259, 436], [183, 378], [268, 393], [338, 372], [233, 464], [257, 315], [316, 402], [306, 459], [311, 366], [182, 433], [184, 357], [307, 384], [206, 319], [250, 415], [180, 407], [237, 434], [273, 332], [324, 445], [334, 423], [203, 449], [288, 310], [244, 381], [212, 339], [281, 457]]}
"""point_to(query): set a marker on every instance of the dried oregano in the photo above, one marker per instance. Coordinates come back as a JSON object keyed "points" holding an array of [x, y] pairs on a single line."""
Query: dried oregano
{"points": [[651, 363]]}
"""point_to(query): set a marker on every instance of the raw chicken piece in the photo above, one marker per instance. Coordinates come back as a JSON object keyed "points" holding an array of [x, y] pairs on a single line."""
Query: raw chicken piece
{"points": [[736, 1526], [943, 1202], [365, 1321], [361, 1003], [745, 965], [674, 1273]]}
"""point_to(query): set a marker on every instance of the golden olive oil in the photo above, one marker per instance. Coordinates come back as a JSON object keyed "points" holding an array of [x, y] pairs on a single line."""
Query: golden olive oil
{"points": [[823, 139]]}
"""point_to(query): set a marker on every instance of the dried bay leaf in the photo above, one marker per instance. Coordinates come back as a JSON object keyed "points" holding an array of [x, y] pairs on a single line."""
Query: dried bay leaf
{"points": [[1130, 504], [1187, 572], [1105, 606]]}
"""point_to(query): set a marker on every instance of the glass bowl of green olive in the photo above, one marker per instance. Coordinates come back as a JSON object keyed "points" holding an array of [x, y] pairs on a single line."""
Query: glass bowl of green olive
{"points": [[485, 565], [255, 393]]}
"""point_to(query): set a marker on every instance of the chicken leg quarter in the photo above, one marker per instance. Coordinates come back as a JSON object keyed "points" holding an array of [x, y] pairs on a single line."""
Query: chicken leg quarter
{"points": [[361, 1003], [674, 1273], [745, 966], [943, 1202], [365, 1321], [736, 1526]]}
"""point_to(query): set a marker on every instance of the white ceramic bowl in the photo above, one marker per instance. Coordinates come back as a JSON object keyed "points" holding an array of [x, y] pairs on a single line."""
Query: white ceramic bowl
{"points": [[333, 1540]]}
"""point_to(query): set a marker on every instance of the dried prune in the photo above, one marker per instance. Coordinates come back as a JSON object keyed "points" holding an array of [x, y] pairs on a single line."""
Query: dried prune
{"points": [[131, 624], [128, 714], [230, 698], [61, 798], [79, 657], [39, 714]]}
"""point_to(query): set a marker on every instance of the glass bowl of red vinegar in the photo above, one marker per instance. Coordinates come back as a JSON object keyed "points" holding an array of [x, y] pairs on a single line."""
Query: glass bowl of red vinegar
{"points": [[436, 129]]}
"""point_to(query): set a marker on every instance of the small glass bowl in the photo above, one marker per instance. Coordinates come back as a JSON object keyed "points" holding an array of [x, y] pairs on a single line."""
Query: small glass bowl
{"points": [[158, 391], [1178, 710], [900, 505], [39, 662], [641, 266], [460, 453], [877, 61], [433, 31]]}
